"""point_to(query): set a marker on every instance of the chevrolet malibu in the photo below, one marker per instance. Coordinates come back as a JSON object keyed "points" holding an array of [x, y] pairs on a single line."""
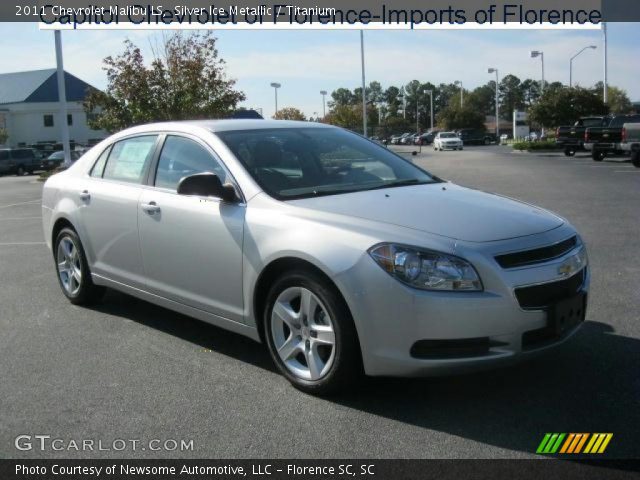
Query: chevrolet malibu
{"points": [[338, 254]]}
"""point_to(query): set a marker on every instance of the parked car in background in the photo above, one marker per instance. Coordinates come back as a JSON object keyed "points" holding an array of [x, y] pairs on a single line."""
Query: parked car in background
{"points": [[606, 140], [447, 140], [631, 142], [571, 138], [395, 139], [18, 161], [426, 138], [56, 159], [407, 140], [475, 136], [341, 264], [503, 138]]}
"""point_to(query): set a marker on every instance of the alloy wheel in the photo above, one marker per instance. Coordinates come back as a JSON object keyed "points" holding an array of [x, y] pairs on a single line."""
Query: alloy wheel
{"points": [[303, 333], [69, 265]]}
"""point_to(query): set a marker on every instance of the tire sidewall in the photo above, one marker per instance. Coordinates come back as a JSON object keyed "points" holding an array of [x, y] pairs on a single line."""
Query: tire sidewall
{"points": [[86, 284], [342, 325]]}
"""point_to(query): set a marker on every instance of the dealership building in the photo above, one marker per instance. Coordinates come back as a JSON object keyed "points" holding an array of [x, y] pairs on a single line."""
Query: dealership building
{"points": [[29, 109]]}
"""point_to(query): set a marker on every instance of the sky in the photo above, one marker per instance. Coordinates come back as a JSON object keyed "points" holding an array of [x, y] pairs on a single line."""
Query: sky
{"points": [[308, 61]]}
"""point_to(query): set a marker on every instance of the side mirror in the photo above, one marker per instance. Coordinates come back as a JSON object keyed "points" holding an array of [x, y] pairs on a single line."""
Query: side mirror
{"points": [[207, 185]]}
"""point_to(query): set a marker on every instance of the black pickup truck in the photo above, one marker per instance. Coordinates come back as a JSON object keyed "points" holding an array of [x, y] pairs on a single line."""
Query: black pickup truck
{"points": [[470, 136], [572, 138], [606, 140]]}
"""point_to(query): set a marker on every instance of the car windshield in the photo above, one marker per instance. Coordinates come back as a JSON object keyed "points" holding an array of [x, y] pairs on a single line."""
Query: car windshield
{"points": [[293, 163], [448, 135], [56, 156]]}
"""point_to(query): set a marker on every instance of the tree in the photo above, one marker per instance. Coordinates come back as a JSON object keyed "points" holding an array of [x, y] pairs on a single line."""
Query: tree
{"points": [[563, 106], [511, 96], [346, 116], [4, 136], [454, 117], [392, 97], [617, 100], [289, 113], [341, 97], [187, 81], [483, 99]]}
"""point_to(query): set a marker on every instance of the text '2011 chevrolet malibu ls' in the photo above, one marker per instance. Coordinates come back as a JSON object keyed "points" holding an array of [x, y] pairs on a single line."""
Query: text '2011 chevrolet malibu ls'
{"points": [[340, 255]]}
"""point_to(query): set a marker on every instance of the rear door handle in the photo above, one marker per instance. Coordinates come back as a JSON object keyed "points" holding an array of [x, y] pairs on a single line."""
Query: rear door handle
{"points": [[151, 208], [85, 195]]}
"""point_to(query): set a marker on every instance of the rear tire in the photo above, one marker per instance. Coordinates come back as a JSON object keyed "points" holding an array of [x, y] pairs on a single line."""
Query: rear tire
{"points": [[20, 171], [487, 141], [597, 155], [73, 271], [569, 152], [635, 159], [304, 313]]}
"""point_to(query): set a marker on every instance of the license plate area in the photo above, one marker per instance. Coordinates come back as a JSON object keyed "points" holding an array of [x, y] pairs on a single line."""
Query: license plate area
{"points": [[565, 315]]}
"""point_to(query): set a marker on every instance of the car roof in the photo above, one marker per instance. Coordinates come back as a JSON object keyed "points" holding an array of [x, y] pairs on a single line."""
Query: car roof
{"points": [[233, 124]]}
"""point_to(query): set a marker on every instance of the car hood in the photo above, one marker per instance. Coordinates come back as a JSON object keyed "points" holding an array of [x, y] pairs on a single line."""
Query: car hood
{"points": [[442, 209]]}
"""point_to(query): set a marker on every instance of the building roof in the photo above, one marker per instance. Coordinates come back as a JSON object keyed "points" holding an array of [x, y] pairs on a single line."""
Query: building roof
{"points": [[39, 86]]}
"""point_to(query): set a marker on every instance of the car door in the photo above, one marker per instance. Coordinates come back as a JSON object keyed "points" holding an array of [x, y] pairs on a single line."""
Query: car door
{"points": [[109, 209], [191, 246]]}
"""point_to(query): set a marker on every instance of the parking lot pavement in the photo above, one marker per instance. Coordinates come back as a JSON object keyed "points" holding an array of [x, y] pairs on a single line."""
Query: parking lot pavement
{"points": [[127, 369]]}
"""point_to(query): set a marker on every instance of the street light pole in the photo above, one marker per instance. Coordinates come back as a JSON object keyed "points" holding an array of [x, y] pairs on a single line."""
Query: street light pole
{"points": [[364, 91], [62, 99], [430, 92], [276, 86], [534, 54], [592, 47], [605, 93], [324, 103], [495, 70]]}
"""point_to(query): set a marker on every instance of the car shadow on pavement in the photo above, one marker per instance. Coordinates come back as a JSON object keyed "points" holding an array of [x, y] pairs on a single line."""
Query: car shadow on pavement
{"points": [[186, 328], [590, 384]]}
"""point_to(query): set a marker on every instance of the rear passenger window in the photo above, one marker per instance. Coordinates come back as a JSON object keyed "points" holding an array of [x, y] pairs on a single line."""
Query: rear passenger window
{"points": [[98, 167], [182, 157], [128, 159], [4, 154]]}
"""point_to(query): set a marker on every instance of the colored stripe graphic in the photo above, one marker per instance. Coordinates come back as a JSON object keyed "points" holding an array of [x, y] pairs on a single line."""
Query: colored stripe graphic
{"points": [[573, 443]]}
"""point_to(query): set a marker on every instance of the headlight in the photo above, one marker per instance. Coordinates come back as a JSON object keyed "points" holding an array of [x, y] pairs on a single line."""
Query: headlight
{"points": [[426, 269]]}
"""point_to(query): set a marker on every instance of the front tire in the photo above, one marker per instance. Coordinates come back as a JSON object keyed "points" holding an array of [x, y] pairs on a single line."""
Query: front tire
{"points": [[20, 171], [635, 159], [310, 333], [569, 152], [74, 275]]}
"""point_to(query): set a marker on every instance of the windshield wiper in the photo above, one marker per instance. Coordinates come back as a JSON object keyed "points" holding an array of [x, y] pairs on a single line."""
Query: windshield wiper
{"points": [[400, 183]]}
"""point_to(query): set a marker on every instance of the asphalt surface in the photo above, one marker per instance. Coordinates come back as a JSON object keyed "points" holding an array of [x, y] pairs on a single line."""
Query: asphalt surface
{"points": [[129, 370]]}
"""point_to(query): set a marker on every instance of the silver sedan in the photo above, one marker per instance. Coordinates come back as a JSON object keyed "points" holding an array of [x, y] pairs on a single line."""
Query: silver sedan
{"points": [[338, 254]]}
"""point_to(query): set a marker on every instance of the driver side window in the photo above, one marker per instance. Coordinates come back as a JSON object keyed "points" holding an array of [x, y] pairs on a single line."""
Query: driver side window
{"points": [[181, 157]]}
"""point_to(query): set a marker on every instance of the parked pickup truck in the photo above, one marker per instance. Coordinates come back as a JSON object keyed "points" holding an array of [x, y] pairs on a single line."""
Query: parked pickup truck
{"points": [[470, 136], [606, 140], [631, 142], [572, 138]]}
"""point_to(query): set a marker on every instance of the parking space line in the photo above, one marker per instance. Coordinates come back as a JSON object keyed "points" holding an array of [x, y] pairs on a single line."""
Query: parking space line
{"points": [[626, 171], [21, 203]]}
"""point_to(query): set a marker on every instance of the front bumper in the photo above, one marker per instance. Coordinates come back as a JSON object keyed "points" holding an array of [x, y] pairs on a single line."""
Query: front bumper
{"points": [[394, 321], [451, 146]]}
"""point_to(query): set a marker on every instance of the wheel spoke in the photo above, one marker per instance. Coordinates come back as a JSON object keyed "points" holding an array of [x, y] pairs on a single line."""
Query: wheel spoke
{"points": [[289, 347], [286, 314], [324, 335], [313, 362], [62, 267], [77, 274], [308, 304]]}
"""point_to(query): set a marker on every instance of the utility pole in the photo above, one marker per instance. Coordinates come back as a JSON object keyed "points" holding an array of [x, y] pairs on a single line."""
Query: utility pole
{"points": [[364, 91], [605, 94], [62, 99]]}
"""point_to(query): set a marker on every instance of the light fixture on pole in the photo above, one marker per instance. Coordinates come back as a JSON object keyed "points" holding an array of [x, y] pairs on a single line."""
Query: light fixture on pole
{"points": [[430, 93], [62, 99], [276, 86], [459, 82], [324, 103], [592, 47], [495, 70], [364, 90]]}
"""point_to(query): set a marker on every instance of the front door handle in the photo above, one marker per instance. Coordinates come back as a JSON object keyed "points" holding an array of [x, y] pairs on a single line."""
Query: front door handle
{"points": [[85, 195], [151, 208]]}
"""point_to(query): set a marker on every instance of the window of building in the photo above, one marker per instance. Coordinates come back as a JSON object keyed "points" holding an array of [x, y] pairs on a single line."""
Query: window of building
{"points": [[48, 120]]}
